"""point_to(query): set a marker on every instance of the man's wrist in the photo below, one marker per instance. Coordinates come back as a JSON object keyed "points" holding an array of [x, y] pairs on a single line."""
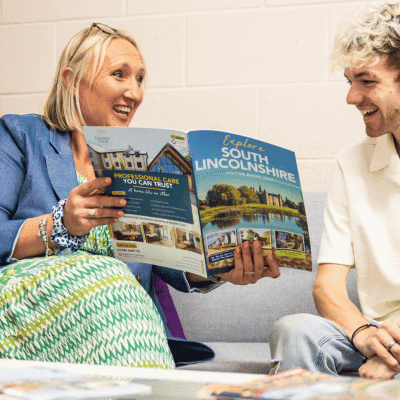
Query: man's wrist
{"points": [[360, 335]]}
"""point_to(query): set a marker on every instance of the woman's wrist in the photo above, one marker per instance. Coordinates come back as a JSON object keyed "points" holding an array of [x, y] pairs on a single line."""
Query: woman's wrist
{"points": [[51, 249], [60, 234]]}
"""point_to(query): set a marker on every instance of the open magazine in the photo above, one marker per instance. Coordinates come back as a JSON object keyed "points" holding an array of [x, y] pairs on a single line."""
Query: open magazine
{"points": [[192, 197], [46, 383], [299, 384]]}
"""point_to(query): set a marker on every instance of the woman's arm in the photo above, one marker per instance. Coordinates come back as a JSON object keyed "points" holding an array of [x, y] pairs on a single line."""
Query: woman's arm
{"points": [[13, 170], [76, 219], [29, 243]]}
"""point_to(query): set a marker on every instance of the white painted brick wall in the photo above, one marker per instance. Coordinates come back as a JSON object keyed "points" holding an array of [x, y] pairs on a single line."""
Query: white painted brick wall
{"points": [[255, 67]]}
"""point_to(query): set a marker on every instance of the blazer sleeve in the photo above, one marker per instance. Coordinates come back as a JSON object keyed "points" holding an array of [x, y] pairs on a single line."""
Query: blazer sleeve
{"points": [[177, 279], [12, 173], [173, 277]]}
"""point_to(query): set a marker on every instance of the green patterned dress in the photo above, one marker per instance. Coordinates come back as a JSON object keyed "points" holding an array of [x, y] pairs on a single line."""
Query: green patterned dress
{"points": [[84, 307]]}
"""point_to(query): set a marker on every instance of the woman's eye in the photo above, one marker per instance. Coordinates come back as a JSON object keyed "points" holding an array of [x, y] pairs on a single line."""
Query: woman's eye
{"points": [[140, 79], [118, 74]]}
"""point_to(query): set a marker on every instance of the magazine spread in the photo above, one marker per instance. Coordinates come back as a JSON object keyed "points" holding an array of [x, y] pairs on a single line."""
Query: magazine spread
{"points": [[192, 197], [299, 384], [45, 383]]}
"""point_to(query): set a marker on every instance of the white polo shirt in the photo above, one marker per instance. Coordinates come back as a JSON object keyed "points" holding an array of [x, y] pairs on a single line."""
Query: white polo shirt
{"points": [[362, 223]]}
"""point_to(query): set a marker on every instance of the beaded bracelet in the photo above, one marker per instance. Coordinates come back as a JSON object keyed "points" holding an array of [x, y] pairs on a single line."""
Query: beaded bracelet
{"points": [[358, 330], [43, 233], [60, 234]]}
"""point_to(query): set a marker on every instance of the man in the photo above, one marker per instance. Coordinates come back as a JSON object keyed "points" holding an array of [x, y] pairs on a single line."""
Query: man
{"points": [[362, 220]]}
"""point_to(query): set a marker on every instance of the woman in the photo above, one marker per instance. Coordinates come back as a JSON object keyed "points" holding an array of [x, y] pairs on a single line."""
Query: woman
{"points": [[63, 296]]}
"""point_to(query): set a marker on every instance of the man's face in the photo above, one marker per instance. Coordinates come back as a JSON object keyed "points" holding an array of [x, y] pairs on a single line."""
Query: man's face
{"points": [[375, 91]]}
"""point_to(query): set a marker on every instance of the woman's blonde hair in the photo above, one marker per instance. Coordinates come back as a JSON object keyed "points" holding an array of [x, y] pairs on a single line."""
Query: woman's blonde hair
{"points": [[363, 38], [86, 49]]}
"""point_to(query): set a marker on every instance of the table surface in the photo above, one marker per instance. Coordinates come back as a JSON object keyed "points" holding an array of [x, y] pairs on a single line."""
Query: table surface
{"points": [[178, 384], [166, 384]]}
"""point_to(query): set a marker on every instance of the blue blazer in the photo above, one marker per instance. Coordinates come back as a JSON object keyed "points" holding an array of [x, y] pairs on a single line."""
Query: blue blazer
{"points": [[36, 171]]}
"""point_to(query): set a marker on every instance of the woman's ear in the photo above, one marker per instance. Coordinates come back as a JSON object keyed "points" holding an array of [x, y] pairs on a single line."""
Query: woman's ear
{"points": [[66, 76]]}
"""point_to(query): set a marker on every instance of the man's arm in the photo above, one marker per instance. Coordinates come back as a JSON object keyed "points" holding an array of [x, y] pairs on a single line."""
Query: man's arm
{"points": [[333, 303], [332, 300]]}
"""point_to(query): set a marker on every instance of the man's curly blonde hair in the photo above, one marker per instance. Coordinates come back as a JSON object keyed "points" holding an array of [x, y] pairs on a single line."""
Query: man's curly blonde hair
{"points": [[363, 38]]}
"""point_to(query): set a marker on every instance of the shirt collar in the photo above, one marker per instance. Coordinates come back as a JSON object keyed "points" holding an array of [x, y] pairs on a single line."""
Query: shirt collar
{"points": [[384, 152]]}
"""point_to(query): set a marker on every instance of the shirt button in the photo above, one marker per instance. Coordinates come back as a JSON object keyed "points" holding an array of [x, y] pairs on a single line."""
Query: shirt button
{"points": [[139, 278]]}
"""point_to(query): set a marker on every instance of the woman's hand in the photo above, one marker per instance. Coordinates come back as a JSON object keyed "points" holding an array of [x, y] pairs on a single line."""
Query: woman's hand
{"points": [[251, 265], [85, 209]]}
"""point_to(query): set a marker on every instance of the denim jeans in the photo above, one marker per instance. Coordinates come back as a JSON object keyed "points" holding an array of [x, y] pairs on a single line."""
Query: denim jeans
{"points": [[313, 343]]}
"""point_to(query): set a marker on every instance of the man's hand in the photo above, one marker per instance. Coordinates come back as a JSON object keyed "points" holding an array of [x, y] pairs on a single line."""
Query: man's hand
{"points": [[376, 368], [376, 341]]}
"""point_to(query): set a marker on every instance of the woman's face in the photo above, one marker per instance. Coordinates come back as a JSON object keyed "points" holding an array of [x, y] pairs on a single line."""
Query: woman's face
{"points": [[117, 90]]}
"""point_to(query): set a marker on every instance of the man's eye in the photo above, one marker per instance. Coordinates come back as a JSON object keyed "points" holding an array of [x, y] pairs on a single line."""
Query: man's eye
{"points": [[368, 82], [118, 74], [140, 79]]}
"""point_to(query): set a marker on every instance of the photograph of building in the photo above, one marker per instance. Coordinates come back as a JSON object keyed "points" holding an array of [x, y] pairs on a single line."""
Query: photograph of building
{"points": [[268, 198], [221, 241], [289, 240], [117, 159], [187, 240], [170, 161], [159, 234]]}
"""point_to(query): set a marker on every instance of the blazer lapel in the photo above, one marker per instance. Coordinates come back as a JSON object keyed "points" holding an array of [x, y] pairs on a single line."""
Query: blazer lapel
{"points": [[60, 166]]}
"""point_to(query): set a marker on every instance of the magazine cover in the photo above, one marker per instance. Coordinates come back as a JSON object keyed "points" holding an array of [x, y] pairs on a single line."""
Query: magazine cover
{"points": [[299, 384], [193, 197], [248, 189]]}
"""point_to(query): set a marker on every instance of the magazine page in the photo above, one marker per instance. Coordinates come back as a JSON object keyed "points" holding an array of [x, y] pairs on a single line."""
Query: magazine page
{"points": [[44, 383], [151, 169], [299, 384], [248, 189]]}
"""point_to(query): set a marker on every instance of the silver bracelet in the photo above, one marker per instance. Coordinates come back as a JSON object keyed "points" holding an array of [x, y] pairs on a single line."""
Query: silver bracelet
{"points": [[43, 233]]}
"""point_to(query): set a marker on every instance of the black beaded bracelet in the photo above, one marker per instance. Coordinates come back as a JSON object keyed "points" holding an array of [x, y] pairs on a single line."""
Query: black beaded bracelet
{"points": [[358, 330]]}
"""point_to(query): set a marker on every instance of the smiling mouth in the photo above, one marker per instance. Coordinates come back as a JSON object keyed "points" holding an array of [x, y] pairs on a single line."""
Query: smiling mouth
{"points": [[367, 113], [123, 110]]}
